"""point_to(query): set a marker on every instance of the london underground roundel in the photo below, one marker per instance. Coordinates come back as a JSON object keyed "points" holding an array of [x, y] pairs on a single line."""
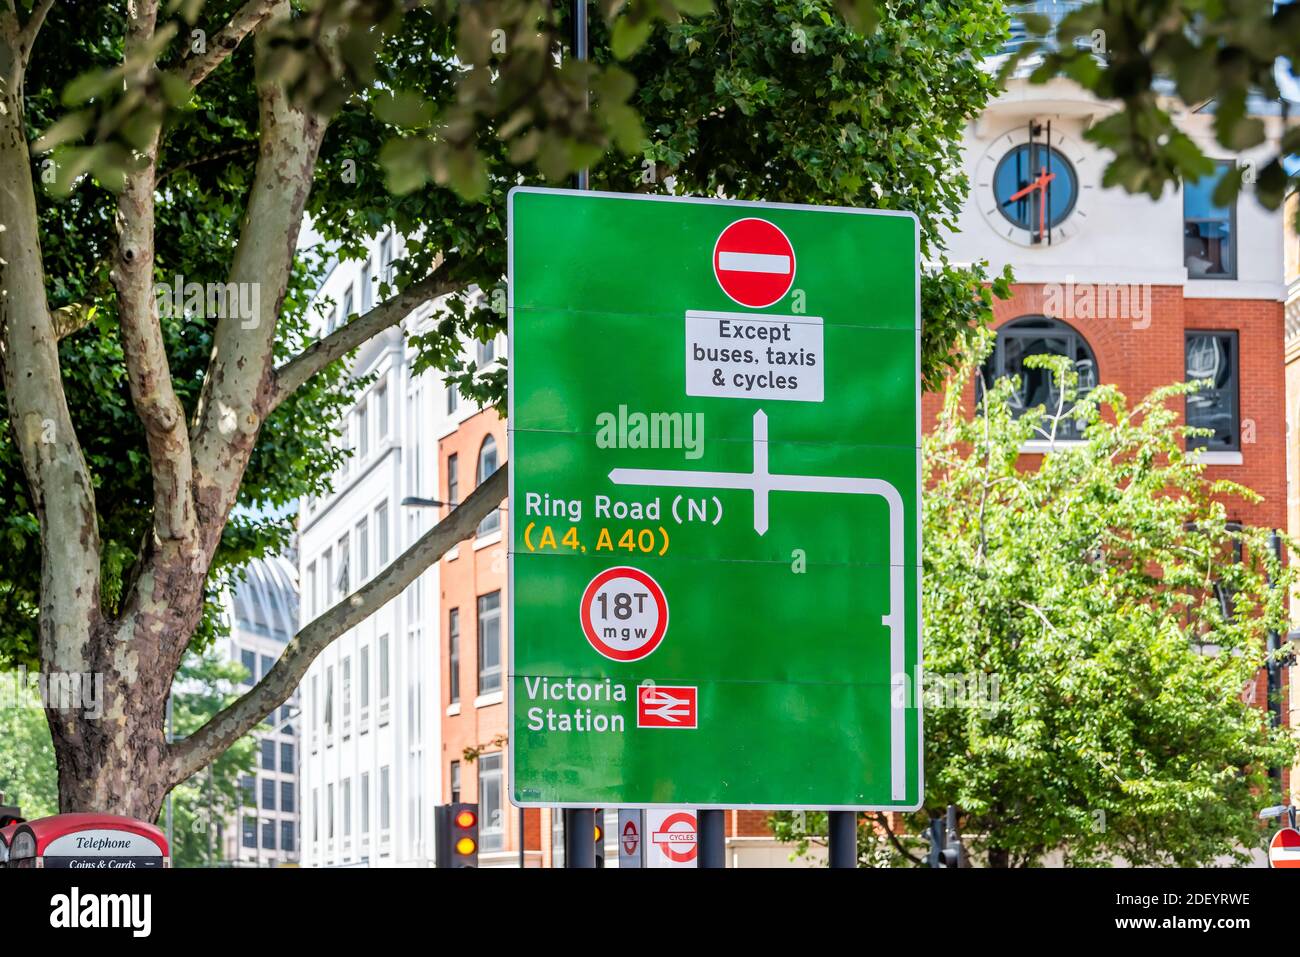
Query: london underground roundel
{"points": [[754, 262]]}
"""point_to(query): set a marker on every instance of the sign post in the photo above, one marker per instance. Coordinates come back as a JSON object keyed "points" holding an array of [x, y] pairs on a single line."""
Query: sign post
{"points": [[714, 432]]}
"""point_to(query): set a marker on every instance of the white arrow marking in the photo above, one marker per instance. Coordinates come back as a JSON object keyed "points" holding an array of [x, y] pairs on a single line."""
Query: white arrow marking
{"points": [[761, 482]]}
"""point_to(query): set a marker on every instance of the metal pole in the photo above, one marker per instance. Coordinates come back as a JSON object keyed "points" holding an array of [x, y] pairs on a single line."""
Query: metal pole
{"points": [[579, 823], [711, 826], [580, 54], [843, 826], [522, 861], [1274, 668], [579, 837]]}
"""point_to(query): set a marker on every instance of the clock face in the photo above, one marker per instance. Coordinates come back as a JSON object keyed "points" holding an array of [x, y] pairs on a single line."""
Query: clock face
{"points": [[1035, 187], [1034, 193]]}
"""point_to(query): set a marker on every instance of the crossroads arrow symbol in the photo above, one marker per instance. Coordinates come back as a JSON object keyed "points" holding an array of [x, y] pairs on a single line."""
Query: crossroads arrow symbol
{"points": [[762, 483]]}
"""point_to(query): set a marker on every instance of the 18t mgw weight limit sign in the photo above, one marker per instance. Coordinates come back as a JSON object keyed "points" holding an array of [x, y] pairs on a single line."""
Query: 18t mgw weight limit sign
{"points": [[714, 504]]}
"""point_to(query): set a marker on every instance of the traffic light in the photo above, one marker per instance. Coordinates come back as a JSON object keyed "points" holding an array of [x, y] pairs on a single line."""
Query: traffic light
{"points": [[9, 814], [943, 834], [599, 835], [457, 832]]}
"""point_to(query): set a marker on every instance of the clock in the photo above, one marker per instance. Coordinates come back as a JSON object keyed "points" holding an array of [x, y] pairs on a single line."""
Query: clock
{"points": [[1029, 186]]}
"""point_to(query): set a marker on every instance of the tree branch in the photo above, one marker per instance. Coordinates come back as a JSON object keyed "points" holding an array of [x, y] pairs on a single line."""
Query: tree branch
{"points": [[293, 374], [27, 36], [189, 756], [237, 385], [148, 371], [195, 68], [40, 424]]}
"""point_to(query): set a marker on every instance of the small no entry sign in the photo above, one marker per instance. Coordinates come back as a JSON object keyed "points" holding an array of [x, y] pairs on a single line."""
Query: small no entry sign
{"points": [[624, 613], [754, 262], [1284, 849]]}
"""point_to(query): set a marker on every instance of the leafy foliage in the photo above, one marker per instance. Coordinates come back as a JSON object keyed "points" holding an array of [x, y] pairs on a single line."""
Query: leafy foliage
{"points": [[28, 776], [205, 684], [1206, 54], [205, 175], [1099, 595]]}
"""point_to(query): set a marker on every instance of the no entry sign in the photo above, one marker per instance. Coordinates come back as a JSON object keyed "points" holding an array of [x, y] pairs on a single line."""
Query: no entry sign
{"points": [[754, 262], [1284, 849], [715, 546]]}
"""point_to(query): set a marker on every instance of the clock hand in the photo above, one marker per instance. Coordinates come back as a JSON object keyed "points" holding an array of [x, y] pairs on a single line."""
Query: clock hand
{"points": [[1039, 183]]}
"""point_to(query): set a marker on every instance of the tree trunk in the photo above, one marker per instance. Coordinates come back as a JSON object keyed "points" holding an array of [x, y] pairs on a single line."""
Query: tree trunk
{"points": [[114, 763]]}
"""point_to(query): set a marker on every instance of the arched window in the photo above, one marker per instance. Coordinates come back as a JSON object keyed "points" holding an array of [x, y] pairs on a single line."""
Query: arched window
{"points": [[487, 464], [1038, 336]]}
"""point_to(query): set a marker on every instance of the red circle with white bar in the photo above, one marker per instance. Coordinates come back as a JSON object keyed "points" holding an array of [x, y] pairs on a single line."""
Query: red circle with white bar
{"points": [[754, 262], [624, 613], [677, 837], [1284, 849]]}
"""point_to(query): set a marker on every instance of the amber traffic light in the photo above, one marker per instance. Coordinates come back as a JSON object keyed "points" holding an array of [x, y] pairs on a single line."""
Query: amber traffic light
{"points": [[457, 827]]}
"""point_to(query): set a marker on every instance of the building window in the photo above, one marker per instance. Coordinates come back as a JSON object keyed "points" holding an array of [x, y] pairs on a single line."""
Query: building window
{"points": [[454, 777], [329, 700], [363, 431], [486, 353], [268, 835], [365, 802], [453, 480], [453, 398], [386, 258], [489, 642], [286, 836], [364, 679], [345, 571], [268, 755], [381, 533], [1209, 231], [250, 833], [1039, 336], [381, 412], [326, 580], [268, 794], [309, 593], [315, 706], [267, 664], [347, 807], [249, 660], [329, 811], [1213, 356], [367, 290], [487, 464], [347, 304], [248, 791], [383, 799], [492, 831], [347, 691], [315, 815], [383, 667], [287, 797], [453, 655], [286, 757]]}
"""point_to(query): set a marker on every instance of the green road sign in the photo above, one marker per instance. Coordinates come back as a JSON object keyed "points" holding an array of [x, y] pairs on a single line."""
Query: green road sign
{"points": [[714, 468]]}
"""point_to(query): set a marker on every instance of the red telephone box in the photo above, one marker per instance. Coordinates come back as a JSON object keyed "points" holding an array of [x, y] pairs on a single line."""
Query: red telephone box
{"points": [[87, 841]]}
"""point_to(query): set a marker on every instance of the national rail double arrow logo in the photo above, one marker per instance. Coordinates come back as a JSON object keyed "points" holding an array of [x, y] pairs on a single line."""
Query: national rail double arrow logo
{"points": [[663, 706]]}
